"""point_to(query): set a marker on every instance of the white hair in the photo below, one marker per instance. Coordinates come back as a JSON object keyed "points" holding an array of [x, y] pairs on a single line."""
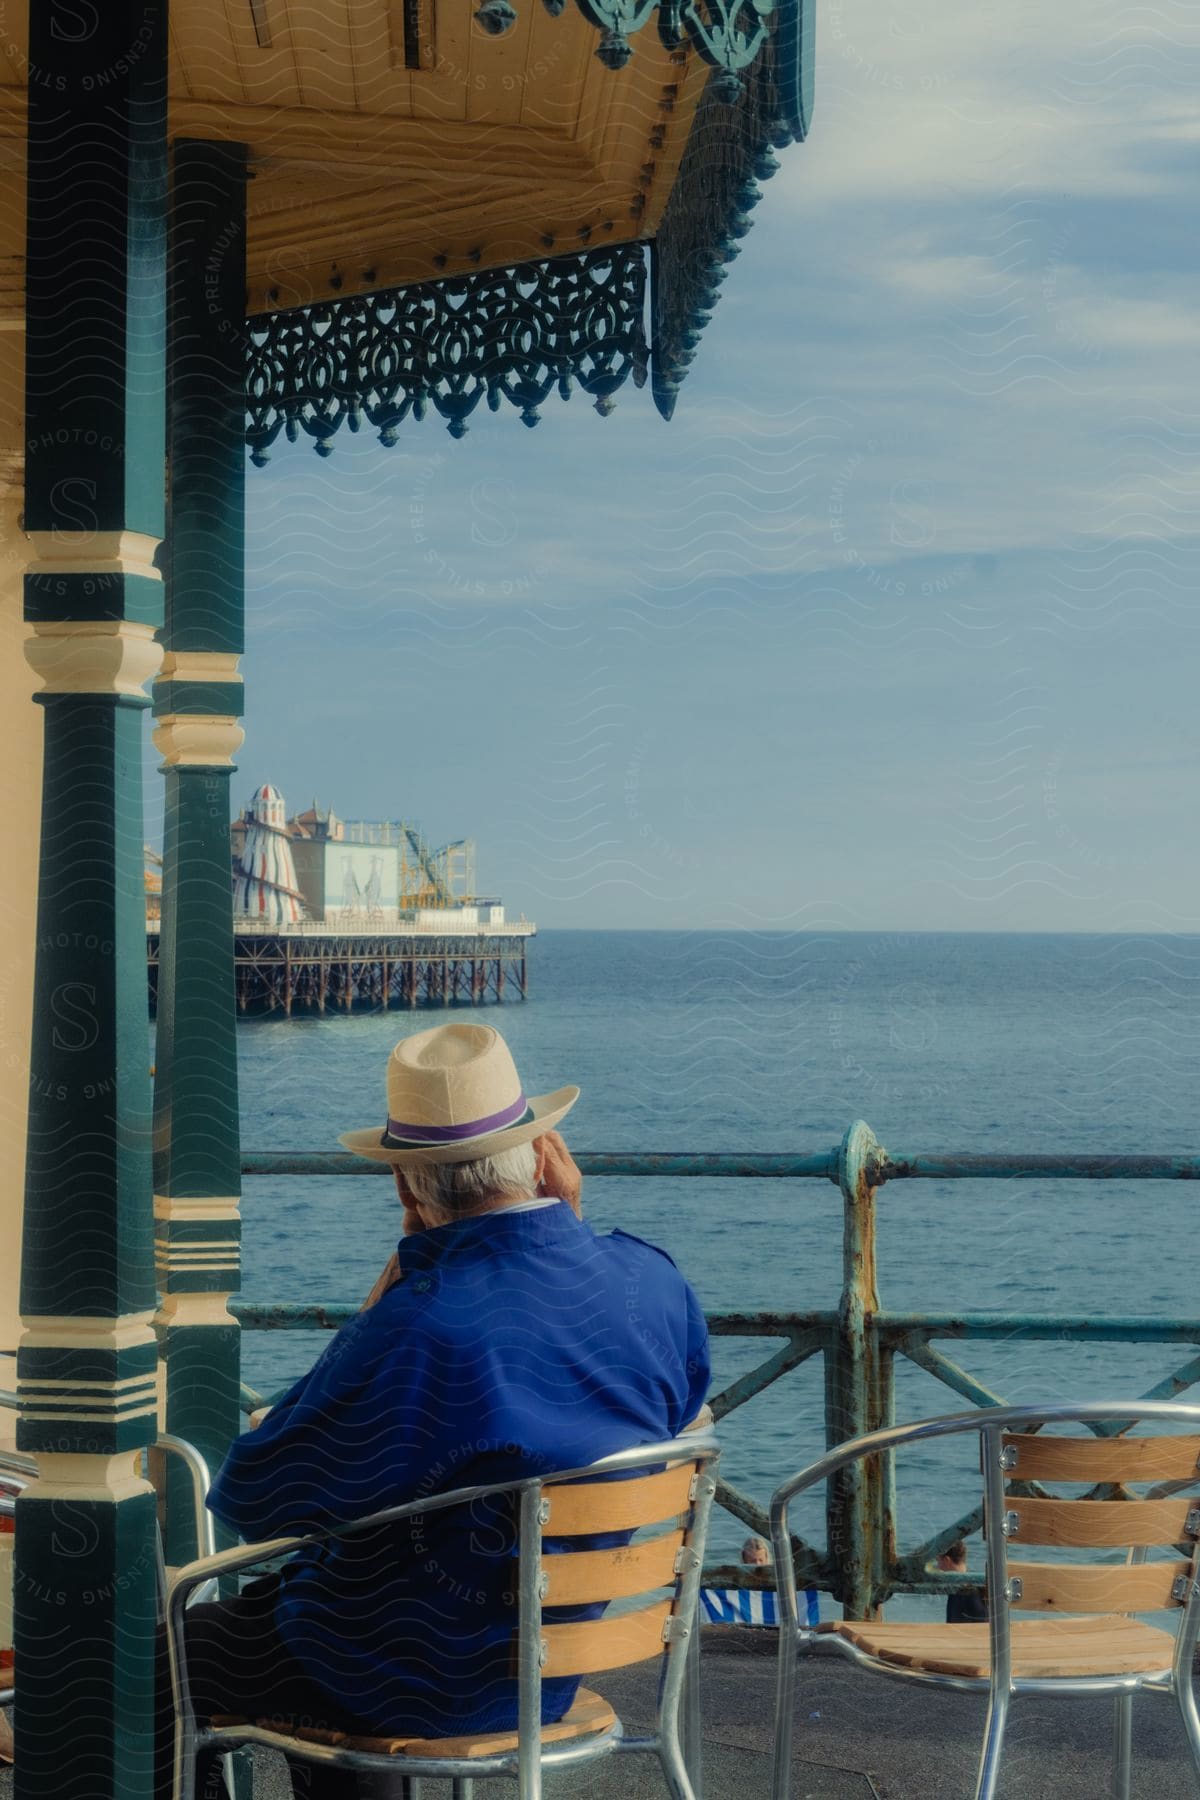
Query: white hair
{"points": [[457, 1188]]}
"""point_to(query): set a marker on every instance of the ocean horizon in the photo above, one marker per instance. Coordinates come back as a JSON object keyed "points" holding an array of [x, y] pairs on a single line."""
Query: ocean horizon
{"points": [[740, 1041]]}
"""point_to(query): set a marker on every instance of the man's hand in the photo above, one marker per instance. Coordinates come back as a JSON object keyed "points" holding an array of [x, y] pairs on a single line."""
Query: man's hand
{"points": [[560, 1173]]}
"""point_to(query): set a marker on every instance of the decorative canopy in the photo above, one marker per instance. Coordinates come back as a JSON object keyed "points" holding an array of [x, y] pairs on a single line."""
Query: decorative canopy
{"points": [[454, 200], [566, 320], [512, 335]]}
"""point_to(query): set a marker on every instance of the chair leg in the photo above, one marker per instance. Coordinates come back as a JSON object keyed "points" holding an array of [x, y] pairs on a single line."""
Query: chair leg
{"points": [[462, 1788], [1186, 1694], [1122, 1755], [675, 1772], [690, 1716], [993, 1744]]}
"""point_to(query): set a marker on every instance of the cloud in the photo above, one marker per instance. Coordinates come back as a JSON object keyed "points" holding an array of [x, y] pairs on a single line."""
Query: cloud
{"points": [[907, 586]]}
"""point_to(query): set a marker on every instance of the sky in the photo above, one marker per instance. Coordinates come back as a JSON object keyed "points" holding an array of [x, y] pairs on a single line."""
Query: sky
{"points": [[895, 625]]}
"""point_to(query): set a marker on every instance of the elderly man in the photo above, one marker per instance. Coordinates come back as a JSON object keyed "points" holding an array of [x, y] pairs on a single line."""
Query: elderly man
{"points": [[503, 1338]]}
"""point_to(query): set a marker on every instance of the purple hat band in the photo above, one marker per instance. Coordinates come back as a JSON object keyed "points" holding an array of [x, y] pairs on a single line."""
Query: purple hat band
{"points": [[516, 1114]]}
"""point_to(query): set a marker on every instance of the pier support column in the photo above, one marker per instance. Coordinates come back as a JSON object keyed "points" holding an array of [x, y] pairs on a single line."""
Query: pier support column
{"points": [[198, 701], [86, 1550]]}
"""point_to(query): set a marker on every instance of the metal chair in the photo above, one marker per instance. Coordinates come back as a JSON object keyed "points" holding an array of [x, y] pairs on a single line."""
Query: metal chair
{"points": [[677, 1493], [1095, 1645]]}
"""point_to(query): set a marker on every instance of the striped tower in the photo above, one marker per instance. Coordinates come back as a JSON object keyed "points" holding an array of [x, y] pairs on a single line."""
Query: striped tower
{"points": [[197, 704], [265, 888], [86, 1548]]}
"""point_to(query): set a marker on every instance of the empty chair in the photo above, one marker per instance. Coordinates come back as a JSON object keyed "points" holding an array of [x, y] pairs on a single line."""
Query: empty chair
{"points": [[664, 1490], [1087, 1638]]}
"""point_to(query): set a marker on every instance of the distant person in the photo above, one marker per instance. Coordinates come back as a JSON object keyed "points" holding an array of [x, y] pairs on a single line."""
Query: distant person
{"points": [[504, 1338], [754, 1606], [969, 1608]]}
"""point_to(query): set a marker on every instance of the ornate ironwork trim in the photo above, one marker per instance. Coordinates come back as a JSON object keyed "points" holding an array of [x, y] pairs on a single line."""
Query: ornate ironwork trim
{"points": [[728, 34], [516, 334], [505, 335], [730, 151]]}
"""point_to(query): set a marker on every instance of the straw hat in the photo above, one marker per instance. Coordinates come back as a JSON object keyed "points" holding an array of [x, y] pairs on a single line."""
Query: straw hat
{"points": [[453, 1094]]}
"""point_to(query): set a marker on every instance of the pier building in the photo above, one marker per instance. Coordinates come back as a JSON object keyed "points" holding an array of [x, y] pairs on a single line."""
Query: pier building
{"points": [[265, 890], [331, 914], [250, 222]]}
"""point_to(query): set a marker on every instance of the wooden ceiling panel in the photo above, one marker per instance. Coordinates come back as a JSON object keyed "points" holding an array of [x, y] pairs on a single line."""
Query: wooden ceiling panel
{"points": [[318, 32], [555, 71], [204, 58], [512, 236], [306, 230], [382, 83], [498, 67], [368, 173], [13, 60], [440, 92], [265, 65]]}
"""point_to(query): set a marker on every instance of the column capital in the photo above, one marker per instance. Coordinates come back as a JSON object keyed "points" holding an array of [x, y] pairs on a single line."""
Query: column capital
{"points": [[201, 665], [197, 1247], [94, 656], [78, 576], [87, 1384], [198, 740], [197, 702], [93, 553]]}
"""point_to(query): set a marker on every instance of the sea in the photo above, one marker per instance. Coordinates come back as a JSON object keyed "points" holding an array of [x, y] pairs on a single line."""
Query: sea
{"points": [[749, 1041]]}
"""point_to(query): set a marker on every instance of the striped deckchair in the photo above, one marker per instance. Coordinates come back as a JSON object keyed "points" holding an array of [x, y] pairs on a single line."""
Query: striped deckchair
{"points": [[753, 1606]]}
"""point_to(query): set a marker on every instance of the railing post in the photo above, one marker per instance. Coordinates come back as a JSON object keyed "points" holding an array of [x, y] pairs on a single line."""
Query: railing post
{"points": [[856, 1400]]}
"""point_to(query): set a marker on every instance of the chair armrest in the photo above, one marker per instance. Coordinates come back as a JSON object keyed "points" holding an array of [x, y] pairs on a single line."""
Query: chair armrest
{"points": [[198, 1474], [225, 1562], [703, 1420]]}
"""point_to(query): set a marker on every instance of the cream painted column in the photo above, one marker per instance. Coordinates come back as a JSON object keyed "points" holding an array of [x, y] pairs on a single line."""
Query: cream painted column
{"points": [[21, 748]]}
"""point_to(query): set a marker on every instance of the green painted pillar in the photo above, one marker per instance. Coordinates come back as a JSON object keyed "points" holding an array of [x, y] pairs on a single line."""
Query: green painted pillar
{"points": [[197, 703], [84, 1585]]}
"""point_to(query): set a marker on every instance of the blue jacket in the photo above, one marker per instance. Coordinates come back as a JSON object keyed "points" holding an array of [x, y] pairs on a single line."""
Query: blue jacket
{"points": [[515, 1343]]}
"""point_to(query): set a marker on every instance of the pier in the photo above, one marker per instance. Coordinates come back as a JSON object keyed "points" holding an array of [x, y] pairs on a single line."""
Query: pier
{"points": [[312, 968]]}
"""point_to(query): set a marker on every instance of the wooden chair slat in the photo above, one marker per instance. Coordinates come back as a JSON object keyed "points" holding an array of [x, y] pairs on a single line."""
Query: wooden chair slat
{"points": [[589, 1716], [576, 1511], [1041, 1647], [1091, 1524], [1097, 1587], [598, 1644], [578, 1577], [316, 1734], [1124, 1459]]}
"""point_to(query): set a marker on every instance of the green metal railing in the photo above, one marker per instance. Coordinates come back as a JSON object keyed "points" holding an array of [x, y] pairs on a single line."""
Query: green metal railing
{"points": [[859, 1342]]}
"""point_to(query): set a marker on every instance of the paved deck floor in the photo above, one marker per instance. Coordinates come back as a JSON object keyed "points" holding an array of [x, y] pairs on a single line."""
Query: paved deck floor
{"points": [[858, 1738]]}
